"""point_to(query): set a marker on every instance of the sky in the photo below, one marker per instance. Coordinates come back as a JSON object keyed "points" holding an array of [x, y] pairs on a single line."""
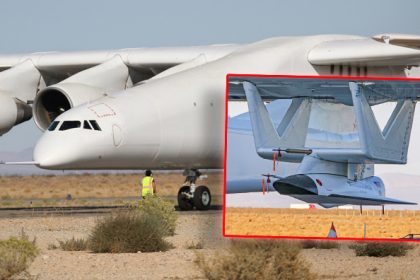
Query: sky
{"points": [[38, 26]]}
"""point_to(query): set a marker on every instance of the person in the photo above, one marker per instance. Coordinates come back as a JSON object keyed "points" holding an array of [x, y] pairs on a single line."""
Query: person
{"points": [[148, 184]]}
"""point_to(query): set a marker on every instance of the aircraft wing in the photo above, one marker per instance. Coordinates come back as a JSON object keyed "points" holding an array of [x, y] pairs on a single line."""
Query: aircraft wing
{"points": [[347, 199], [369, 52], [150, 60], [287, 87]]}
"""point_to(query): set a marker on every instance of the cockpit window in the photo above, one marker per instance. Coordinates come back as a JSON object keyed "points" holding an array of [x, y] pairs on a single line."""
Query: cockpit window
{"points": [[53, 125], [95, 125], [86, 125], [70, 125]]}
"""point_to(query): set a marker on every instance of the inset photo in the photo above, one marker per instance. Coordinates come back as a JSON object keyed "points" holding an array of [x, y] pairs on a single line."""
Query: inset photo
{"points": [[322, 157]]}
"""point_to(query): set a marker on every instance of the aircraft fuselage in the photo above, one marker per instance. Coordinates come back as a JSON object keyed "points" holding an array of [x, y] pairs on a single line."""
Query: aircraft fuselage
{"points": [[176, 121]]}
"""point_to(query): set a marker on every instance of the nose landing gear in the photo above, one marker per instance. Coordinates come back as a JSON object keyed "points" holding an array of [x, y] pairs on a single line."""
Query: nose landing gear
{"points": [[190, 196]]}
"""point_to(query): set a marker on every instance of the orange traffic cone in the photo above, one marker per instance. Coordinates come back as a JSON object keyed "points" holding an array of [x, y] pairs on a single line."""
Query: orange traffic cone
{"points": [[332, 233]]}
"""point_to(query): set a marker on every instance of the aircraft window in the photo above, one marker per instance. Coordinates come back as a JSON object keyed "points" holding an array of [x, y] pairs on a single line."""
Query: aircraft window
{"points": [[53, 125], [86, 125], [70, 125], [95, 125]]}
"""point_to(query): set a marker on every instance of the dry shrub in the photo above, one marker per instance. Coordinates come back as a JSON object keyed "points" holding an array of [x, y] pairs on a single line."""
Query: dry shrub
{"points": [[256, 259], [74, 244], [161, 209], [381, 249], [319, 244], [129, 232], [195, 245], [16, 253]]}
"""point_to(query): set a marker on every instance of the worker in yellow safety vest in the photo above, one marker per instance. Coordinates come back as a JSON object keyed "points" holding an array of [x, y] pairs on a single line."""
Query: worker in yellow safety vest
{"points": [[148, 184]]}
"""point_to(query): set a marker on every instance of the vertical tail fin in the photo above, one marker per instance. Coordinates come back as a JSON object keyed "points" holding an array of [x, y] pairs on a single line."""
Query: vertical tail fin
{"points": [[291, 132], [391, 144]]}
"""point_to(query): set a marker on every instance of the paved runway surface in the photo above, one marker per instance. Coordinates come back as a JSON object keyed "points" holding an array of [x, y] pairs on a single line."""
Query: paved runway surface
{"points": [[77, 210]]}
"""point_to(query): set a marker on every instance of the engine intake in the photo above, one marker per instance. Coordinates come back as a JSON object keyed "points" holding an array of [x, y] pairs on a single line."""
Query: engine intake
{"points": [[55, 100], [88, 85]]}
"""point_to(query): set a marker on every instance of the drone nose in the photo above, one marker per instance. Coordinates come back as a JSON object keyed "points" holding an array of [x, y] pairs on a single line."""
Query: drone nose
{"points": [[296, 184]]}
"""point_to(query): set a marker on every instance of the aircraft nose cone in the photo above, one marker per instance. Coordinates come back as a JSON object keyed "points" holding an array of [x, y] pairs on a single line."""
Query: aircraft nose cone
{"points": [[50, 154]]}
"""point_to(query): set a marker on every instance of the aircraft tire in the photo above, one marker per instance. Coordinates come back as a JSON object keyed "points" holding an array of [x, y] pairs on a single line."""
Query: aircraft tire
{"points": [[202, 198], [184, 203]]}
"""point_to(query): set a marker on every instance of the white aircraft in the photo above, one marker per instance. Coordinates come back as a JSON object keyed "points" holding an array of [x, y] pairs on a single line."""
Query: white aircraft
{"points": [[328, 175], [163, 108]]}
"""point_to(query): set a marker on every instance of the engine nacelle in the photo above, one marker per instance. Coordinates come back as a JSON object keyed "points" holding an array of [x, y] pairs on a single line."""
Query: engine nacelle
{"points": [[55, 100], [85, 86], [12, 112]]}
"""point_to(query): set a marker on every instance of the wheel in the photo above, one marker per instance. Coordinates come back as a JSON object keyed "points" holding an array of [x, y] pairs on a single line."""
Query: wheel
{"points": [[202, 198], [184, 203]]}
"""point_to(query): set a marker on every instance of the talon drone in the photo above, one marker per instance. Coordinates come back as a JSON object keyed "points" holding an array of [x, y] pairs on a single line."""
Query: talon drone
{"points": [[163, 108]]}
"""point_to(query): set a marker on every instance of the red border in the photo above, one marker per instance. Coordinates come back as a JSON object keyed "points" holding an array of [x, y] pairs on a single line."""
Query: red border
{"points": [[225, 154]]}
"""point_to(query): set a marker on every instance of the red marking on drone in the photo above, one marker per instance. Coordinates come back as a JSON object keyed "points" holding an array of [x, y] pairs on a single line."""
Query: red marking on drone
{"points": [[274, 162], [263, 186]]}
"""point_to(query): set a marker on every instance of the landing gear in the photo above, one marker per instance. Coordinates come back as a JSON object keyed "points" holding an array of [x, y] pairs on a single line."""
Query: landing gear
{"points": [[184, 202], [202, 198], [190, 196]]}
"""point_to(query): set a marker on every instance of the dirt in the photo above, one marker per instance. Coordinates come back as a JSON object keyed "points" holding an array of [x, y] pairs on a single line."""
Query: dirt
{"points": [[343, 264], [178, 263], [317, 222], [96, 186], [193, 227], [88, 189]]}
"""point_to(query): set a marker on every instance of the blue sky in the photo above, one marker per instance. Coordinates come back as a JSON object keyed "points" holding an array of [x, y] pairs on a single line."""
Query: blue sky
{"points": [[30, 26]]}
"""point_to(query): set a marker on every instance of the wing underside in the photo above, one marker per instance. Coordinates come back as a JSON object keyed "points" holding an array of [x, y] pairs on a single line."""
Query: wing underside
{"points": [[333, 89]]}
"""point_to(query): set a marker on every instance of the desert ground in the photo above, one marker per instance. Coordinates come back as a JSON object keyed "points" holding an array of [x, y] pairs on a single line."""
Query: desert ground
{"points": [[177, 263], [92, 189], [317, 222]]}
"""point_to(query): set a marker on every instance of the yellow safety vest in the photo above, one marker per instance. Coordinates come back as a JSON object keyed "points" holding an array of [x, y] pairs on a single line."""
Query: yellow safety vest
{"points": [[147, 183]]}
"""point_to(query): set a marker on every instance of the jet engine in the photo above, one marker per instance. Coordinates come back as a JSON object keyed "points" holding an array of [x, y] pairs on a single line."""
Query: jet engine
{"points": [[55, 100], [12, 112], [88, 85]]}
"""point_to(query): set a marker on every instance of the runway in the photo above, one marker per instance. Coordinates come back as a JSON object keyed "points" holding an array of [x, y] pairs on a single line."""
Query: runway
{"points": [[15, 212]]}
